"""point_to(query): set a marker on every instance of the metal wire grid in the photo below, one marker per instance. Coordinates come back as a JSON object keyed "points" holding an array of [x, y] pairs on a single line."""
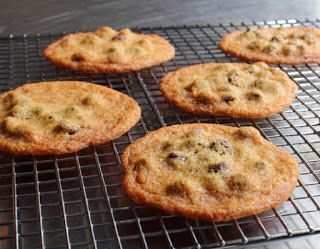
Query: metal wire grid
{"points": [[77, 201]]}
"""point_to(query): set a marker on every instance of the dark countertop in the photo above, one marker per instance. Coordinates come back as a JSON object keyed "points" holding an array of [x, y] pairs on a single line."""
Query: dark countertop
{"points": [[29, 16]]}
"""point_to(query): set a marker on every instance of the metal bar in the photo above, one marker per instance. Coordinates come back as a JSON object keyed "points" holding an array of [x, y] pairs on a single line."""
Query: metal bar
{"points": [[169, 241], [105, 191], [284, 224], [63, 209], [83, 190], [242, 235], [194, 237], [38, 208], [15, 205], [218, 234], [134, 209], [150, 100], [301, 215]]}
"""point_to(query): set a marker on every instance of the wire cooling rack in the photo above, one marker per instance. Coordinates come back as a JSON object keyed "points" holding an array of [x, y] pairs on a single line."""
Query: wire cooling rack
{"points": [[77, 200]]}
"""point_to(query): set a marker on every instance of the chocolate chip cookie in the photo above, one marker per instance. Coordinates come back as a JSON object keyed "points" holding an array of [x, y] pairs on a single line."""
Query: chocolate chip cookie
{"points": [[208, 171], [109, 51], [291, 45], [229, 89], [62, 117]]}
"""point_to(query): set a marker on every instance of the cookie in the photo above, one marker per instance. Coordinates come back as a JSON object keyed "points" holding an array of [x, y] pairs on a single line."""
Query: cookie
{"points": [[63, 116], [109, 51], [208, 171], [229, 89], [292, 45]]}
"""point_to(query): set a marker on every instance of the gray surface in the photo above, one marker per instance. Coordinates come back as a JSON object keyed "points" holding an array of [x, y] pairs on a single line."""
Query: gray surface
{"points": [[29, 16]]}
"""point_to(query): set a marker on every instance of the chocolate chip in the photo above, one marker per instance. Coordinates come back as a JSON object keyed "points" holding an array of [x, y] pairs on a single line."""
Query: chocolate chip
{"points": [[217, 167], [238, 182], [119, 37], [86, 100], [166, 146], [308, 37], [177, 188], [228, 99], [275, 39], [173, 155], [268, 49], [188, 88], [203, 99], [221, 146], [233, 80], [110, 50], [253, 45], [139, 165], [260, 165], [254, 96], [71, 129], [50, 118], [301, 48], [257, 83], [77, 57]]}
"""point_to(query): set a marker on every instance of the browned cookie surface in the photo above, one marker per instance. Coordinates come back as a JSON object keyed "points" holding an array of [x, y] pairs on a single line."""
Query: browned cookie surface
{"points": [[292, 45], [208, 171], [108, 50], [62, 117], [229, 89]]}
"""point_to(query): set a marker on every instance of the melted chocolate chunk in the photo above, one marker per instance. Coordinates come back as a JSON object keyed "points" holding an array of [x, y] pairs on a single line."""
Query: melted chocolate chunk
{"points": [[258, 83], [110, 50], [238, 182], [254, 96], [216, 168], [166, 146], [301, 49], [71, 129], [139, 165], [309, 38], [77, 57], [188, 88], [203, 99], [177, 188], [228, 99], [119, 37], [260, 165], [221, 146], [233, 80], [268, 49], [173, 155], [275, 39]]}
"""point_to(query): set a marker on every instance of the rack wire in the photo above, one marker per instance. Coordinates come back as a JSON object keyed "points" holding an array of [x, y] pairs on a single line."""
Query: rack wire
{"points": [[77, 200]]}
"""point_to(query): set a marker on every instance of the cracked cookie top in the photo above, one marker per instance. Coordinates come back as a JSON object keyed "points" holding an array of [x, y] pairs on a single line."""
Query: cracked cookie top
{"points": [[108, 50], [62, 116], [208, 171], [229, 89], [291, 45]]}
